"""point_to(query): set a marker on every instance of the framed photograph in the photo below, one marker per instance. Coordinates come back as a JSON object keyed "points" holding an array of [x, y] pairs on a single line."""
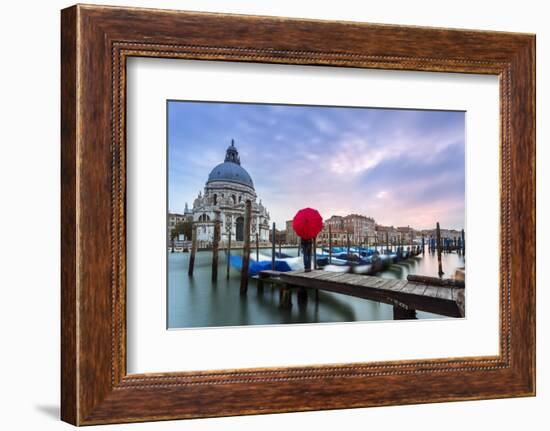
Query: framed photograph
{"points": [[264, 215]]}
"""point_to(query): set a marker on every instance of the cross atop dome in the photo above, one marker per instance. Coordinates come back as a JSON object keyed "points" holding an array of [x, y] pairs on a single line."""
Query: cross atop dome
{"points": [[232, 155]]}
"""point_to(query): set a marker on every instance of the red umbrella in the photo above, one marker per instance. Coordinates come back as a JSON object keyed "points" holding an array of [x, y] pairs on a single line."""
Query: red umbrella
{"points": [[307, 223]]}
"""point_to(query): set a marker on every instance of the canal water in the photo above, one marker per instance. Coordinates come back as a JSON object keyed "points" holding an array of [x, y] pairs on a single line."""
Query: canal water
{"points": [[197, 302]]}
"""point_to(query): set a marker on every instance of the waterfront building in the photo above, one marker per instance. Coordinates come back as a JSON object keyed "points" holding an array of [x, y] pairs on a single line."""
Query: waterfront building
{"points": [[360, 226], [291, 237], [335, 222], [427, 233], [339, 236], [449, 234], [175, 218], [407, 234], [391, 232], [280, 236], [226, 191]]}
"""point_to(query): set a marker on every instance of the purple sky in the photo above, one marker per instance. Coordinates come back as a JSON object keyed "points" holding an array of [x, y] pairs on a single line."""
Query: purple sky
{"points": [[402, 167]]}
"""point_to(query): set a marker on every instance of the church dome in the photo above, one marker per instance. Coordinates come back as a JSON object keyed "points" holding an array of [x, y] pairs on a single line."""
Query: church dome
{"points": [[231, 170]]}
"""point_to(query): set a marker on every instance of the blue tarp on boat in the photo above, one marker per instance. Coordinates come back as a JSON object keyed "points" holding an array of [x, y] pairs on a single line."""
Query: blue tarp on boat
{"points": [[255, 267]]}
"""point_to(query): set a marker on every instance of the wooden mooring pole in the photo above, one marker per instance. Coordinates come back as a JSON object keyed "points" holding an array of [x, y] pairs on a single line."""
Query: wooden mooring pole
{"points": [[246, 247], [273, 248], [228, 253], [314, 253], [257, 247], [215, 250], [193, 250], [329, 245], [438, 244], [463, 242]]}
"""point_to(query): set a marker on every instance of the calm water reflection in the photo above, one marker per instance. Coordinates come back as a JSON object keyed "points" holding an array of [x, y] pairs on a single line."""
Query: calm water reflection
{"points": [[196, 302]]}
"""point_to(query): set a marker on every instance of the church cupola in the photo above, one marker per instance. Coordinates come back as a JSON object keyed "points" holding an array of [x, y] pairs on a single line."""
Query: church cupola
{"points": [[232, 155], [230, 170]]}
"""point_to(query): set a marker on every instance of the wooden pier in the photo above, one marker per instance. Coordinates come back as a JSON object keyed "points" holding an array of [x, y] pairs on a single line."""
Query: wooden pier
{"points": [[405, 296]]}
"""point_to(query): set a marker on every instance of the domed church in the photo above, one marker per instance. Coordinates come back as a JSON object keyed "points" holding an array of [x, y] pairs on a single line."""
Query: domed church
{"points": [[228, 187]]}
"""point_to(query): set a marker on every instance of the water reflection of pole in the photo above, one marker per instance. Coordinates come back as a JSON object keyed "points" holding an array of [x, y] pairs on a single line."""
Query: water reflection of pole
{"points": [[193, 250], [422, 243], [438, 243], [228, 253], [246, 248]]}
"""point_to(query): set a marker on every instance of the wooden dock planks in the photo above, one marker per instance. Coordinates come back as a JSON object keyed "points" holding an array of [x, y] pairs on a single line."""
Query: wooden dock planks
{"points": [[443, 300]]}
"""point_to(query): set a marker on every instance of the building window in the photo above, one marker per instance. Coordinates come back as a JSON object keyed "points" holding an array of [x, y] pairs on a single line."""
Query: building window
{"points": [[239, 230]]}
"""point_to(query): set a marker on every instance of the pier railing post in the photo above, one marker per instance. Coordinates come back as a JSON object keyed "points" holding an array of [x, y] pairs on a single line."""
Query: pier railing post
{"points": [[193, 250], [215, 250], [246, 247]]}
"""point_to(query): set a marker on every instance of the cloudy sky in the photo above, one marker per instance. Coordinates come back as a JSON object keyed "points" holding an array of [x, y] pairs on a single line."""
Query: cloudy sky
{"points": [[402, 167]]}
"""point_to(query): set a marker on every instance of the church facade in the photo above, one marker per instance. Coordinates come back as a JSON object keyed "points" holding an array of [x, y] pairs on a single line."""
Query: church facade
{"points": [[225, 193]]}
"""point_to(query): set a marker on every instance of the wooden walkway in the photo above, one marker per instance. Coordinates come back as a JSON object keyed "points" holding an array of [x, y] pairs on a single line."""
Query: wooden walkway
{"points": [[404, 295]]}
